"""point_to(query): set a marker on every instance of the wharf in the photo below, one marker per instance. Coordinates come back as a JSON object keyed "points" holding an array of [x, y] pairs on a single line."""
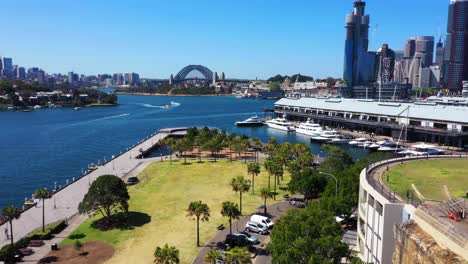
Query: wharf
{"points": [[64, 203]]}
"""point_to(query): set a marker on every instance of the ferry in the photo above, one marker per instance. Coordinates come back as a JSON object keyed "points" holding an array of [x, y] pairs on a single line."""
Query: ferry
{"points": [[309, 128], [252, 121], [281, 123]]}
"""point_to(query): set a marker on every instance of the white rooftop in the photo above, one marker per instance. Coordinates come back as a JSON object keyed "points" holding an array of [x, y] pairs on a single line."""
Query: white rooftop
{"points": [[445, 113]]}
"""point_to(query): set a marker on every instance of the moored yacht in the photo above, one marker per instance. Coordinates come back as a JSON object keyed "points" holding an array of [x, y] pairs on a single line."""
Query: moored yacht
{"points": [[358, 141], [309, 128], [422, 150], [326, 136], [281, 123], [252, 121]]}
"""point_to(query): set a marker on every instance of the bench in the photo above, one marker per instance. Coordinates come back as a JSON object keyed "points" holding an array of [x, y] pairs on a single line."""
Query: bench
{"points": [[220, 227], [36, 243], [26, 251]]}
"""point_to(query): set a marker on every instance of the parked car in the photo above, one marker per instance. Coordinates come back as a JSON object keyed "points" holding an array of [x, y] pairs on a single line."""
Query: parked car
{"points": [[132, 180], [256, 228], [250, 237], [262, 220], [237, 241]]}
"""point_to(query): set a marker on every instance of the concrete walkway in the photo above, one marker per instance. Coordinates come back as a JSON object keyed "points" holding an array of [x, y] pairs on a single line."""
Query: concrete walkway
{"points": [[64, 204], [262, 257]]}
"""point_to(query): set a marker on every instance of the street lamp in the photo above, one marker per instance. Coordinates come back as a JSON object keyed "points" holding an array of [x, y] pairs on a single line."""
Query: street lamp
{"points": [[113, 157], [336, 181]]}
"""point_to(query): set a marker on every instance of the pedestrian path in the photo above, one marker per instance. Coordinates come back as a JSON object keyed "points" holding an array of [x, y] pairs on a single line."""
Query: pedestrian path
{"points": [[64, 204]]}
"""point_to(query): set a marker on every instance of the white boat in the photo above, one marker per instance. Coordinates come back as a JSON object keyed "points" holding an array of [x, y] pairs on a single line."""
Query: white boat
{"points": [[367, 144], [281, 123], [309, 128], [378, 144], [340, 140], [390, 146], [326, 136], [425, 150], [252, 121], [357, 141]]}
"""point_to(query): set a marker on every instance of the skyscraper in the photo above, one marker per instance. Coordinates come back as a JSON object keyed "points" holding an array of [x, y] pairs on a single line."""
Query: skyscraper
{"points": [[440, 53], [456, 50], [7, 64], [386, 64], [359, 64]]}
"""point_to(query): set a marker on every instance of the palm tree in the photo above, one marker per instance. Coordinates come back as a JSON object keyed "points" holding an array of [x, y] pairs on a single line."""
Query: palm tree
{"points": [[257, 144], [277, 171], [168, 141], [201, 211], [9, 214], [230, 141], [42, 194], [241, 185], [268, 167], [213, 256], [265, 193], [230, 210], [254, 170], [166, 255], [238, 255]]}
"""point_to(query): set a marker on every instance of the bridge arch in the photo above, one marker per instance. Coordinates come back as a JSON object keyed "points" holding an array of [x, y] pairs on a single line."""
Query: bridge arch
{"points": [[182, 75]]}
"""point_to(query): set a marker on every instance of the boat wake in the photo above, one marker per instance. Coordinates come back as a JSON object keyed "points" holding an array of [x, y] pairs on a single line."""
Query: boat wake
{"points": [[109, 117], [152, 106]]}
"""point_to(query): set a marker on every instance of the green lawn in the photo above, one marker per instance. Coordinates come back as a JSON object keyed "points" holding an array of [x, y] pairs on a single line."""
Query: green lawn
{"points": [[164, 194], [429, 177]]}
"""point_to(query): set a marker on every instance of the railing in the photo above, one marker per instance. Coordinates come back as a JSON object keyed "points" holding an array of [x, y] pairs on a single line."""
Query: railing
{"points": [[386, 191]]}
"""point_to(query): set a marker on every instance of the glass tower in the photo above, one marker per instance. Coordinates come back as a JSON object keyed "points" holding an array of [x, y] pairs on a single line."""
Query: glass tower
{"points": [[358, 62], [456, 46]]}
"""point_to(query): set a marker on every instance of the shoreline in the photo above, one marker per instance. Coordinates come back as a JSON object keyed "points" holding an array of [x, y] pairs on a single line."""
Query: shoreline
{"points": [[174, 95]]}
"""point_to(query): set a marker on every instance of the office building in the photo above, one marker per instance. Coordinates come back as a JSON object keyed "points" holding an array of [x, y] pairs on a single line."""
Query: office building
{"points": [[456, 46], [7, 64], [386, 64], [440, 53], [20, 73], [214, 78], [430, 77], [358, 63]]}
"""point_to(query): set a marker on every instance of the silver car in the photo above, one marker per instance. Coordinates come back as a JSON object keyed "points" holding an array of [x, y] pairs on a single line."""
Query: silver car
{"points": [[256, 228]]}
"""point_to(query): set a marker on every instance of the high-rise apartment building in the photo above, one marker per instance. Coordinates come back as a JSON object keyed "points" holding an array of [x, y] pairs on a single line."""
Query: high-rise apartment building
{"points": [[440, 53], [359, 64], [456, 49], [386, 64]]}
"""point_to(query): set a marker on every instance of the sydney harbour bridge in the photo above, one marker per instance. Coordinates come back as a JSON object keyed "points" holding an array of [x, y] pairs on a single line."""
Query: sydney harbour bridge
{"points": [[206, 75]]}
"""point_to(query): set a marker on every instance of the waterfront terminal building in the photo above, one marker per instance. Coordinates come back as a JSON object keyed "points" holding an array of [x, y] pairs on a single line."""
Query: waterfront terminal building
{"points": [[424, 121]]}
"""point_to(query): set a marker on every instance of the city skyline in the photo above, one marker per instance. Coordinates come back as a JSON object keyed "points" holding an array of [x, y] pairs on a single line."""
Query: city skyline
{"points": [[157, 39]]}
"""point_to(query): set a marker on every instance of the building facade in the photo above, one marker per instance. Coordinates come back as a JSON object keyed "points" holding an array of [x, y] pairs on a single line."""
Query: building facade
{"points": [[456, 49]]}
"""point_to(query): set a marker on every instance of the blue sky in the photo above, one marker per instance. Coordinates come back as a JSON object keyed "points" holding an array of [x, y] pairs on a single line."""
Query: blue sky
{"points": [[243, 38]]}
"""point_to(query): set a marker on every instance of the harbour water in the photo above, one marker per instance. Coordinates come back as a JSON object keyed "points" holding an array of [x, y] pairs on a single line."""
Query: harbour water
{"points": [[47, 147]]}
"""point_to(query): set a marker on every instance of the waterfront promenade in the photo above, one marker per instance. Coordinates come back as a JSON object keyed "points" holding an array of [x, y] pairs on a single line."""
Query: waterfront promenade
{"points": [[64, 204]]}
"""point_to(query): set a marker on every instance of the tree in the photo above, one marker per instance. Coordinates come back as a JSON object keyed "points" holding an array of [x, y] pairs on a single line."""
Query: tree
{"points": [[308, 236], [230, 210], [78, 246], [336, 161], [254, 170], [108, 193], [170, 142], [257, 144], [201, 211], [238, 255], [241, 185], [265, 193], [277, 171], [166, 255], [9, 214], [213, 256], [42, 194], [268, 167], [308, 182], [230, 140], [181, 146], [274, 86]]}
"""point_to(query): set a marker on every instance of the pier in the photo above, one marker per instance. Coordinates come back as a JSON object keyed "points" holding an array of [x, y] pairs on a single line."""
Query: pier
{"points": [[63, 205]]}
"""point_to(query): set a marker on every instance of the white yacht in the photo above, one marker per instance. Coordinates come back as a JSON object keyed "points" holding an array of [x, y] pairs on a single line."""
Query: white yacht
{"points": [[390, 146], [422, 150], [340, 140], [358, 141], [252, 121], [326, 136], [309, 128], [281, 123]]}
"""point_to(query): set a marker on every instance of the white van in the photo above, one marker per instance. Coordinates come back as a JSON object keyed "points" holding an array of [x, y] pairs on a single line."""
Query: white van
{"points": [[262, 220]]}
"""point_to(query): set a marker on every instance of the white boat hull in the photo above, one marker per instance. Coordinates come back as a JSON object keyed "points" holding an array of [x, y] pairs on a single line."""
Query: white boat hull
{"points": [[283, 128]]}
